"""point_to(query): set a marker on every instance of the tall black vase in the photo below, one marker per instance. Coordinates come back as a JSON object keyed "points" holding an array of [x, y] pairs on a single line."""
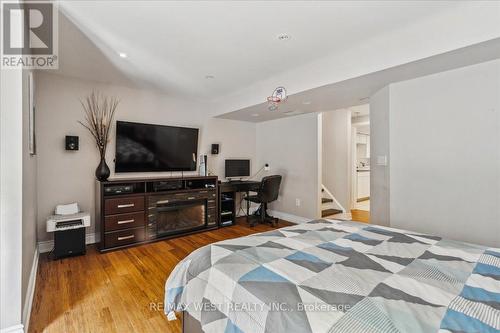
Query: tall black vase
{"points": [[102, 172]]}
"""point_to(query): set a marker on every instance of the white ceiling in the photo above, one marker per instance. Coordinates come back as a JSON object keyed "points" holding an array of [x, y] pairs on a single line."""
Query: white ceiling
{"points": [[79, 57], [174, 45], [357, 91]]}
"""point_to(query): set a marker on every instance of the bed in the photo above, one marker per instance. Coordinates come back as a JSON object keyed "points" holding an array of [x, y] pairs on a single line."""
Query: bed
{"points": [[337, 276]]}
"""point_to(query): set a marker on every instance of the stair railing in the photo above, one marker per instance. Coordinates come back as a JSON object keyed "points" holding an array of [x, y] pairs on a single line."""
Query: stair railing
{"points": [[324, 189]]}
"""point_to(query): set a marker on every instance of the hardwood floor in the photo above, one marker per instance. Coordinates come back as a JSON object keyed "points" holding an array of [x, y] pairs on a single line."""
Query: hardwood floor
{"points": [[360, 215], [119, 291]]}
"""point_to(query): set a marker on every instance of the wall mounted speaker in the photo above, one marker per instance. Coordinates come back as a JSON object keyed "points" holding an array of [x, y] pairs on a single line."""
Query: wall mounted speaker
{"points": [[71, 142], [215, 148]]}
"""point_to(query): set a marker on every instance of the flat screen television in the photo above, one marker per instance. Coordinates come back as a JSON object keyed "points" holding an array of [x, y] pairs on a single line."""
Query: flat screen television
{"points": [[149, 148]]}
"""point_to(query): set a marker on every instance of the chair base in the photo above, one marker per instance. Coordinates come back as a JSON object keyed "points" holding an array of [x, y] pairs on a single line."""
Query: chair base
{"points": [[257, 216]]}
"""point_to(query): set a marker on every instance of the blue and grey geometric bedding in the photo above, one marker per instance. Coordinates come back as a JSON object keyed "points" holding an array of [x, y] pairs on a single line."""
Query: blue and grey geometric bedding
{"points": [[337, 276]]}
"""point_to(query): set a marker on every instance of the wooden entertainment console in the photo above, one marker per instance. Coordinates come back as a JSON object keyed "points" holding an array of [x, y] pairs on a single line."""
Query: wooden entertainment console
{"points": [[137, 211]]}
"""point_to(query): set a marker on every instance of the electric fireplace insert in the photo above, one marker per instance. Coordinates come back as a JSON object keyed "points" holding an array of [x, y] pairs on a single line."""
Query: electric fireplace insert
{"points": [[168, 217]]}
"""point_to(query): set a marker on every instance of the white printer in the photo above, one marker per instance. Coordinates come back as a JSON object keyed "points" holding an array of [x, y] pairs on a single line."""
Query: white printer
{"points": [[69, 221], [68, 225]]}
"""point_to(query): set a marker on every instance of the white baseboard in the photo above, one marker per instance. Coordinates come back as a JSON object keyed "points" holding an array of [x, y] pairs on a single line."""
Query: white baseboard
{"points": [[289, 217], [13, 329], [283, 216], [30, 293], [46, 246]]}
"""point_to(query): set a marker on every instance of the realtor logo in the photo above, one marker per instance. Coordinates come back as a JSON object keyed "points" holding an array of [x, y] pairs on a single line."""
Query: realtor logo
{"points": [[29, 36]]}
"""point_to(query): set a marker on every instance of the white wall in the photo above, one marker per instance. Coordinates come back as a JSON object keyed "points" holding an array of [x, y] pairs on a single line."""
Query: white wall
{"points": [[379, 147], [65, 176], [337, 155], [29, 225], [445, 154], [11, 173], [291, 146]]}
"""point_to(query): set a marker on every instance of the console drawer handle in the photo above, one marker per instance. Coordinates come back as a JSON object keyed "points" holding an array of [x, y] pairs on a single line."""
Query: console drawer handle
{"points": [[126, 237], [125, 221], [191, 198], [161, 202], [126, 205]]}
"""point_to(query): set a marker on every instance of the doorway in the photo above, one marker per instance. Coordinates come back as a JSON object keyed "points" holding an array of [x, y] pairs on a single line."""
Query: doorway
{"points": [[360, 140], [345, 164]]}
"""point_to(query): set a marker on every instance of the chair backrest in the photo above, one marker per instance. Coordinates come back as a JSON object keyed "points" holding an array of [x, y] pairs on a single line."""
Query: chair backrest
{"points": [[269, 188]]}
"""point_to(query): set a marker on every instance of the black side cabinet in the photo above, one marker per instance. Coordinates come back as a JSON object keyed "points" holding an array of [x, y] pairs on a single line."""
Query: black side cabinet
{"points": [[227, 207], [69, 243]]}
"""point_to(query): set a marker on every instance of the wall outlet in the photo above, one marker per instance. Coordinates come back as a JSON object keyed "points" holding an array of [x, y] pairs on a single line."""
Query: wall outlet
{"points": [[297, 202]]}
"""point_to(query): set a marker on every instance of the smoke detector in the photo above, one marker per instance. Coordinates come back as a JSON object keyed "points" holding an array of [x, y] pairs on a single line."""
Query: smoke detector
{"points": [[283, 37]]}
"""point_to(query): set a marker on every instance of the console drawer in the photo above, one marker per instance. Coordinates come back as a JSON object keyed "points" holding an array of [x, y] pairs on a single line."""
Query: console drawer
{"points": [[124, 221], [123, 205], [124, 237]]}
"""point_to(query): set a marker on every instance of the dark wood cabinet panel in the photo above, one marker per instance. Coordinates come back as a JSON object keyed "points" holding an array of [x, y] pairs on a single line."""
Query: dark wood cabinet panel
{"points": [[127, 219], [124, 237], [123, 205], [124, 221]]}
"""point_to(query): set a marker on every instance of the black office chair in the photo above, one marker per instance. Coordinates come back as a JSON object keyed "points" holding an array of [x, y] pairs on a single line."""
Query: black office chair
{"points": [[268, 192]]}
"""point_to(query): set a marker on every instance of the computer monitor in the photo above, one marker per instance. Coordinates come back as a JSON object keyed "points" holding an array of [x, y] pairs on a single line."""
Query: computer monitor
{"points": [[237, 168]]}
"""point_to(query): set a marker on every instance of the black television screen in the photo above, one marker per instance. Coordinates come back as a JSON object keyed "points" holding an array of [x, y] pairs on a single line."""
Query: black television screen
{"points": [[148, 148]]}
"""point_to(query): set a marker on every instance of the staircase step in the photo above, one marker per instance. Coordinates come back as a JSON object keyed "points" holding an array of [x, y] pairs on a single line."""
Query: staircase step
{"points": [[325, 200], [328, 212]]}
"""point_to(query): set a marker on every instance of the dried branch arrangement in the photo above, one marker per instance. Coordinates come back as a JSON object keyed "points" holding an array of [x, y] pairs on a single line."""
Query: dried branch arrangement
{"points": [[99, 112]]}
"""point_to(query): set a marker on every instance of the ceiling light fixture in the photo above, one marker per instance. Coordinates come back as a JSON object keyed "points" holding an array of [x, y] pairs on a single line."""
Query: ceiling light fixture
{"points": [[209, 77], [283, 37], [123, 55]]}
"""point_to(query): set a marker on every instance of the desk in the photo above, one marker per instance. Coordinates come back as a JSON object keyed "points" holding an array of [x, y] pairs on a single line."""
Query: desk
{"points": [[227, 199]]}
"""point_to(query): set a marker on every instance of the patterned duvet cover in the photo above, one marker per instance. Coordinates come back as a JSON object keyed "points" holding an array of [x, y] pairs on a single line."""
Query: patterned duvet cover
{"points": [[338, 276]]}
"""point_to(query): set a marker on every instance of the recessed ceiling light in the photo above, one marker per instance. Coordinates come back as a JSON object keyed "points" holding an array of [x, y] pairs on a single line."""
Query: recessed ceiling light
{"points": [[255, 114], [306, 102], [283, 37], [209, 77], [122, 55]]}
